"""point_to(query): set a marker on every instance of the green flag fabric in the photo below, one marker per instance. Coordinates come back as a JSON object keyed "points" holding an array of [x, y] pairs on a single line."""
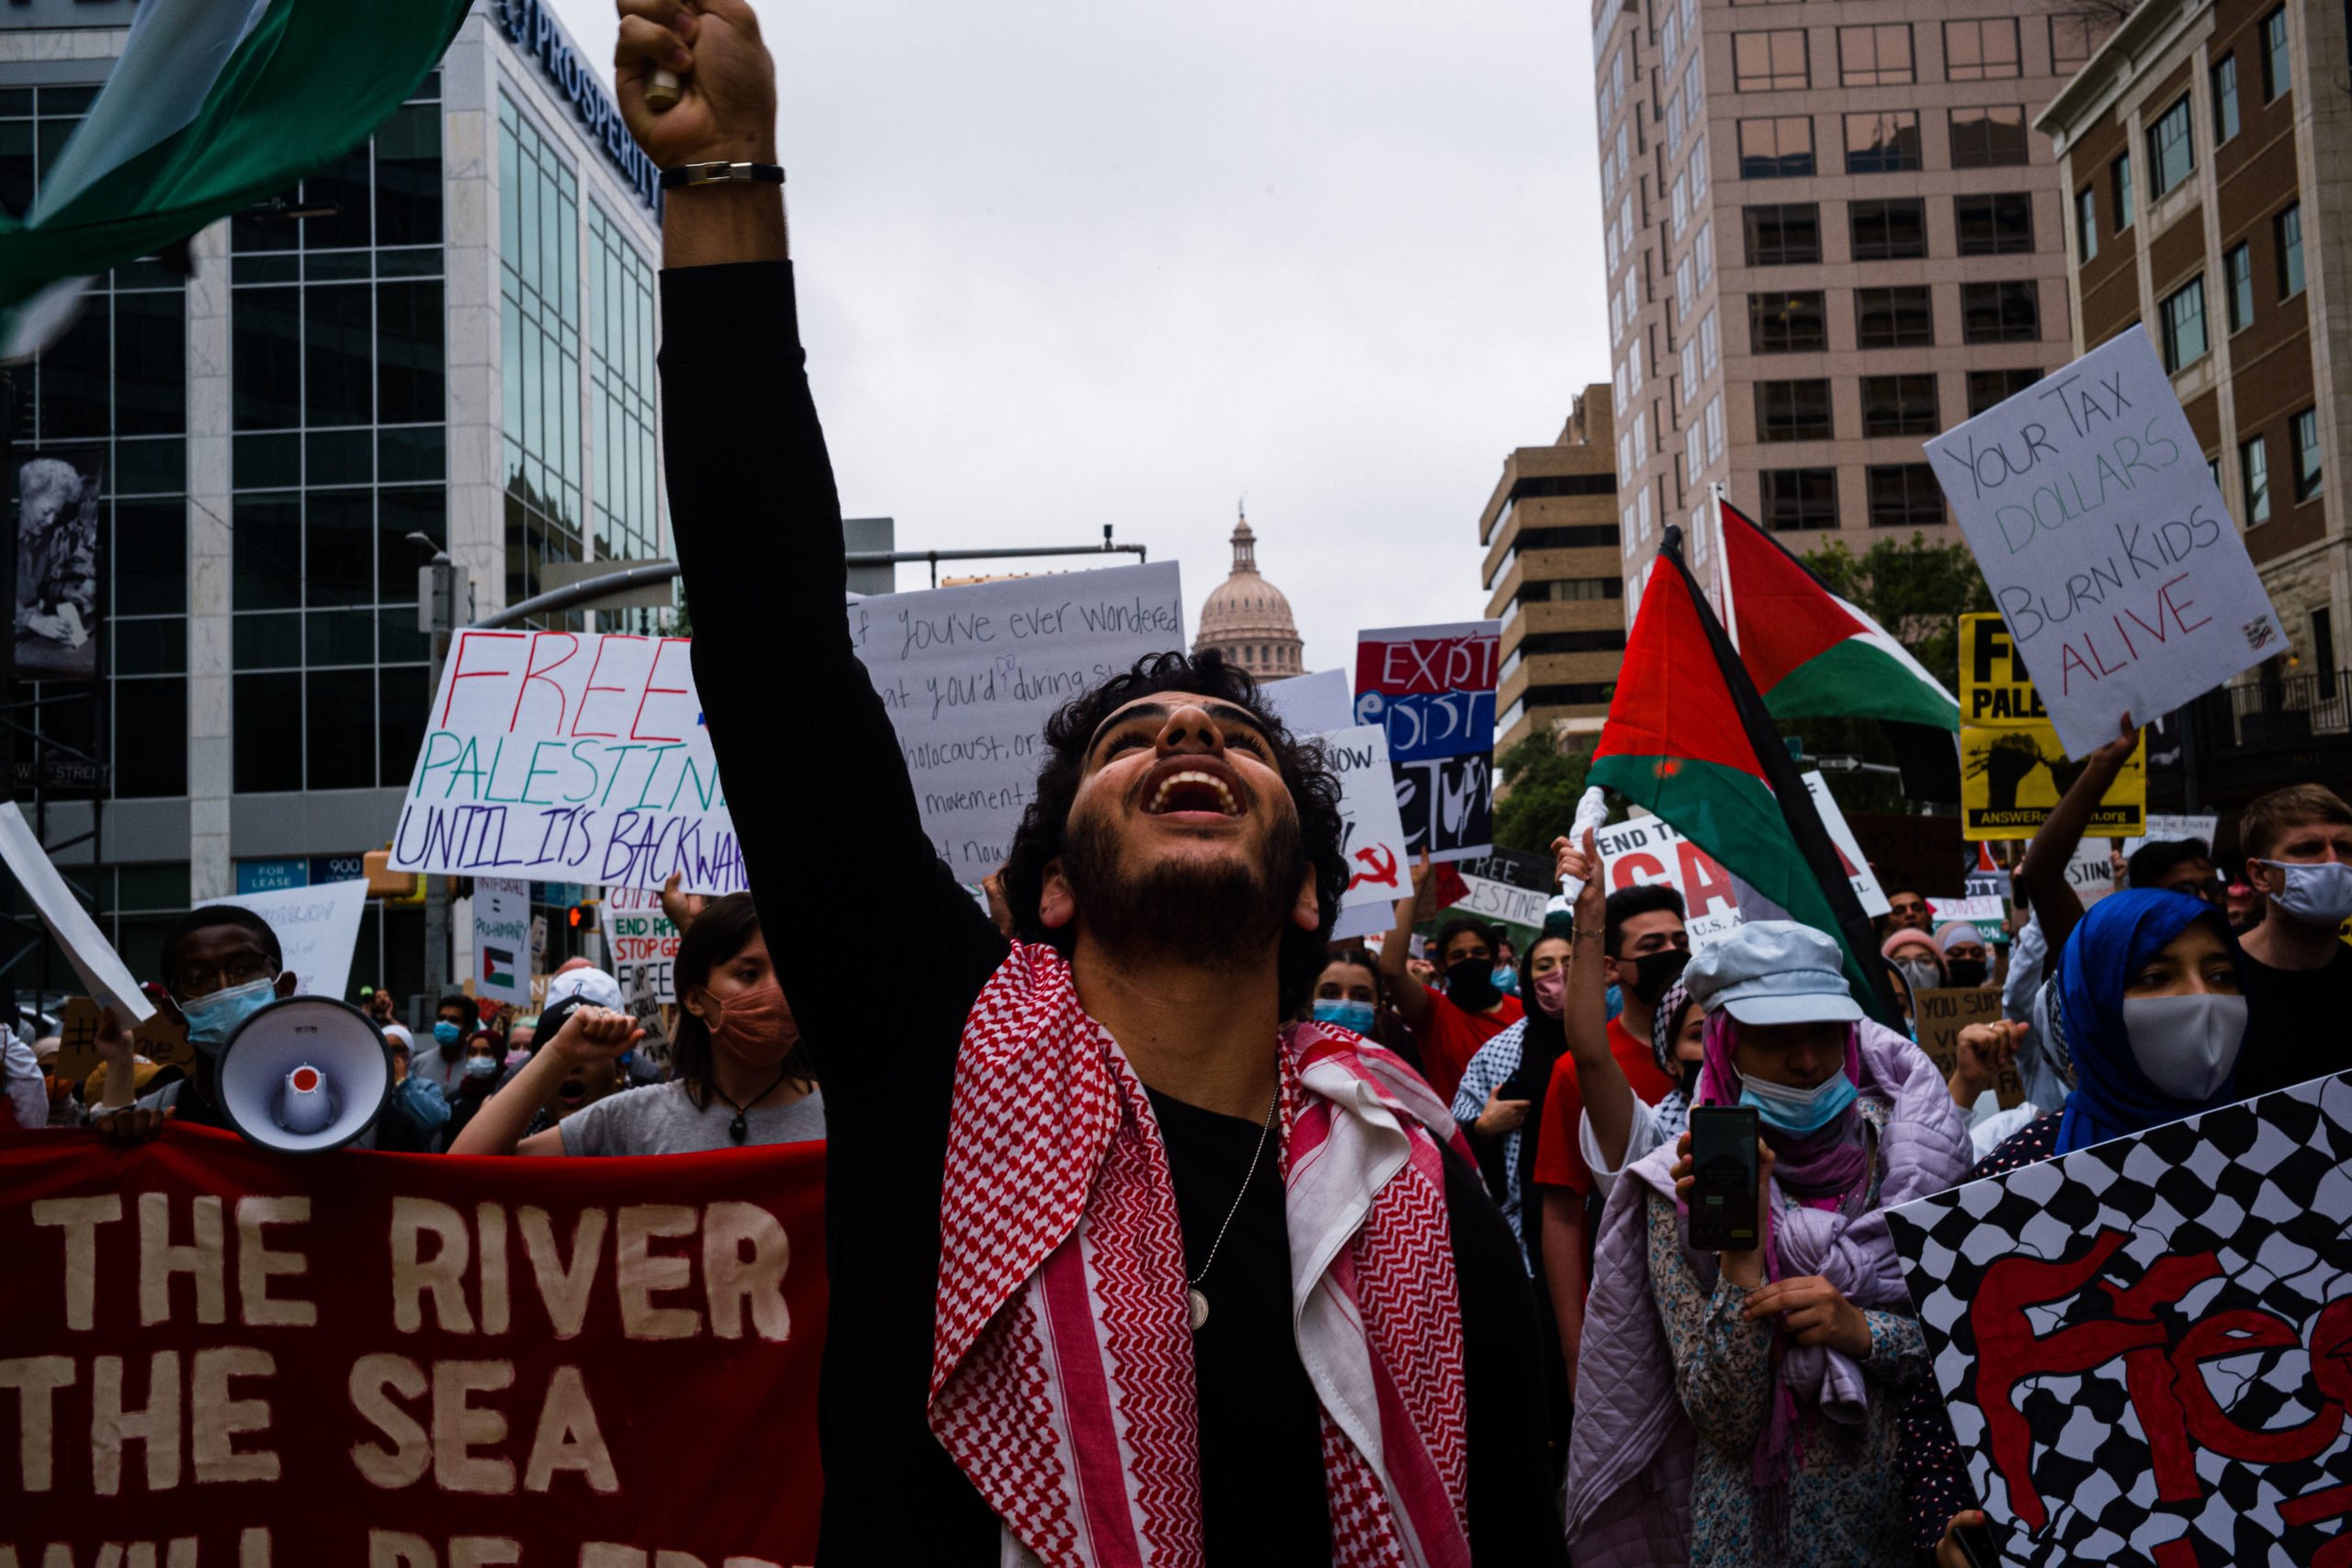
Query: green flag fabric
{"points": [[215, 104]]}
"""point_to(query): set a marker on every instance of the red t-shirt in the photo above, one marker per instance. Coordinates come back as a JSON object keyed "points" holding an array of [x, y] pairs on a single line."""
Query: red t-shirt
{"points": [[1559, 1160], [1449, 1037]]}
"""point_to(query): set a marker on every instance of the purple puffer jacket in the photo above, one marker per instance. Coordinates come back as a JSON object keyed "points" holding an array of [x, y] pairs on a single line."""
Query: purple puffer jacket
{"points": [[1632, 1452]]}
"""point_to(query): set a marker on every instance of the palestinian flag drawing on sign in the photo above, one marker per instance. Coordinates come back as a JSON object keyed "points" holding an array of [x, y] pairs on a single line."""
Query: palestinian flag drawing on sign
{"points": [[497, 966], [1815, 655], [1688, 736]]}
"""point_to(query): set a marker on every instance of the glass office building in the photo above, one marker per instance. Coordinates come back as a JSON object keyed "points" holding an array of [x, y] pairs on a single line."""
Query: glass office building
{"points": [[448, 333]]}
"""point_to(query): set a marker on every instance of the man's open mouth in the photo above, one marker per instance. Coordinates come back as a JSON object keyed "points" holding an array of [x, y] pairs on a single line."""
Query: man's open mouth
{"points": [[1191, 789], [572, 1092]]}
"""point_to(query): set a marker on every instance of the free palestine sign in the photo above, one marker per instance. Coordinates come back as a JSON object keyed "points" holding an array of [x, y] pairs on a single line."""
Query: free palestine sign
{"points": [[2106, 542]]}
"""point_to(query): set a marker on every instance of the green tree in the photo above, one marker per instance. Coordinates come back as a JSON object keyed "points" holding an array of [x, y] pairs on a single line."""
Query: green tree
{"points": [[1543, 785]]}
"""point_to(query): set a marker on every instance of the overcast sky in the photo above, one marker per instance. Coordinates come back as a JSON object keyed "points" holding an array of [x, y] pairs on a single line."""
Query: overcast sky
{"points": [[1065, 263]]}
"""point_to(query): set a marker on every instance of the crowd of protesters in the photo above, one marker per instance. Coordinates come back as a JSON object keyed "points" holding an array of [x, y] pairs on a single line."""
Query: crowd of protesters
{"points": [[1452, 1170]]}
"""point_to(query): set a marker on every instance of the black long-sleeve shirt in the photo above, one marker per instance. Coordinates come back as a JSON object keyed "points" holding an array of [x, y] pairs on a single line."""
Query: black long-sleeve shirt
{"points": [[828, 820]]}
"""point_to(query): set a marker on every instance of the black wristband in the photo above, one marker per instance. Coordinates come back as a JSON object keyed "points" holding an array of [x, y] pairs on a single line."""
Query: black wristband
{"points": [[721, 174]]}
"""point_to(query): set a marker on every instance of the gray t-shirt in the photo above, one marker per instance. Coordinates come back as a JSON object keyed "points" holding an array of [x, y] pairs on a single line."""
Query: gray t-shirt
{"points": [[662, 1120]]}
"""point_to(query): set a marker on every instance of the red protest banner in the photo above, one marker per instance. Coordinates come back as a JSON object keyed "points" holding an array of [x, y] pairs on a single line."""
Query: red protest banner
{"points": [[407, 1362]]}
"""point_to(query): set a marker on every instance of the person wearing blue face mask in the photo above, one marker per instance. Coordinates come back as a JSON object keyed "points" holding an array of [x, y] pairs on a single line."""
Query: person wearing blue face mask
{"points": [[1349, 995], [221, 964]]}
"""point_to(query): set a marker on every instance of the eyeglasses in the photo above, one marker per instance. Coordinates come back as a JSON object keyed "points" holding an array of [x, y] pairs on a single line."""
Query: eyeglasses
{"points": [[199, 980]]}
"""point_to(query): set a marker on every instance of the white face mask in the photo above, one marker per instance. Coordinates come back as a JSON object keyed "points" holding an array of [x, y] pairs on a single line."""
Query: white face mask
{"points": [[2186, 1045], [2318, 895]]}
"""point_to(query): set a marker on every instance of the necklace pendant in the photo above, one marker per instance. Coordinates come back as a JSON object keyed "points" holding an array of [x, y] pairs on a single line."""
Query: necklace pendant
{"points": [[737, 1129], [1199, 1305]]}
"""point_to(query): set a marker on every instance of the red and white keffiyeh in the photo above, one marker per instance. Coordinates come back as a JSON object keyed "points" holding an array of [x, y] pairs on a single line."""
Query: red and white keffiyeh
{"points": [[1061, 1379]]}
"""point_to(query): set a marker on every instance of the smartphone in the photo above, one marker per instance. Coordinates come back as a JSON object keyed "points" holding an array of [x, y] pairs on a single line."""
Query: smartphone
{"points": [[1978, 1545], [1723, 1164]]}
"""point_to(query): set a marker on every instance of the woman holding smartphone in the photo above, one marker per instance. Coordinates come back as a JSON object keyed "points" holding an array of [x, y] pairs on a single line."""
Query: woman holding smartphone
{"points": [[1746, 1406]]}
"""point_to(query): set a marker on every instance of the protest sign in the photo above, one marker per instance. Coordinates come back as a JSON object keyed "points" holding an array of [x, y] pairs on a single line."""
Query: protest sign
{"points": [[2089, 872], [317, 928], [645, 1007], [1372, 837], [1432, 690], [159, 1039], [2144, 1345], [1314, 704], [1850, 849], [640, 937], [1494, 900], [359, 1358], [86, 948], [2012, 768], [2174, 826], [502, 940], [1988, 913], [1644, 850], [564, 757], [970, 674], [2106, 542], [1942, 1013]]}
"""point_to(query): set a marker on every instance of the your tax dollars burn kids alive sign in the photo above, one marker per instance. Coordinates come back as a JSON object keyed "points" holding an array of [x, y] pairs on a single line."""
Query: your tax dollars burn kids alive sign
{"points": [[1432, 690], [2105, 541], [2146, 1345], [569, 757], [213, 1355]]}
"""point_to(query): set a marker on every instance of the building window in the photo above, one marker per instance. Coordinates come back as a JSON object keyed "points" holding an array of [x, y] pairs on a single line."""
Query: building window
{"points": [[1793, 410], [1900, 405], [2275, 77], [1788, 235], [2287, 228], [1714, 422], [1893, 318], [2225, 98], [2119, 179], [1885, 144], [1709, 349], [338, 453], [1988, 137], [2172, 147], [2237, 269], [624, 493], [1990, 389], [539, 314], [1980, 51], [2183, 312], [2086, 225], [2000, 313], [1888, 231], [2000, 225], [1763, 63], [1776, 148], [2254, 462], [1876, 56], [1702, 251], [2308, 478], [1903, 495], [1799, 497], [2073, 36], [1787, 323]]}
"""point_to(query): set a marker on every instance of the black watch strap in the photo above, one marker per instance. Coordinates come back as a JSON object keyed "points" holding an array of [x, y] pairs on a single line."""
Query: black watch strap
{"points": [[722, 174]]}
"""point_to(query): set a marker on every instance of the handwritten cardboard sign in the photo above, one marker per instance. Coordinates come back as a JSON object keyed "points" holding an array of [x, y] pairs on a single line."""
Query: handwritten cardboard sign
{"points": [[2171, 827], [2106, 542], [971, 674], [1379, 868], [93, 958], [503, 940], [2012, 770], [640, 938], [317, 929], [1942, 1013], [1432, 690], [1500, 901], [2144, 1345]]}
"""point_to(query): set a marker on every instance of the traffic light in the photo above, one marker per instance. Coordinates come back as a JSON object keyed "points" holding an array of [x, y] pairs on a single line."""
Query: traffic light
{"points": [[581, 915]]}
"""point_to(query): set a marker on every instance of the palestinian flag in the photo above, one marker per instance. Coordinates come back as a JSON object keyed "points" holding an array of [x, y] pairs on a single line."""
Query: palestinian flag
{"points": [[214, 106], [1815, 655], [1688, 736]]}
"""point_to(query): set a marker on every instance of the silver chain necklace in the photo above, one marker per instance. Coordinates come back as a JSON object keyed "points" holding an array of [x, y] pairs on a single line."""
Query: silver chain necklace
{"points": [[1195, 1298]]}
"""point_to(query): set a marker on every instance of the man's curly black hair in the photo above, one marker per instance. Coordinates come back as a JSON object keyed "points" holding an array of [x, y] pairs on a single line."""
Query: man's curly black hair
{"points": [[1313, 791]]}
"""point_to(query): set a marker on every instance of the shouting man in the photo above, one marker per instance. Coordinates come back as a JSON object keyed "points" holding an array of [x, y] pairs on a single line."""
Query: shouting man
{"points": [[1122, 1269]]}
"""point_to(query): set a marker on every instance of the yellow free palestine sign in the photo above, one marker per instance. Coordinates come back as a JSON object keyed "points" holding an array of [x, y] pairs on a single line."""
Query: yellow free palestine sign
{"points": [[2012, 768]]}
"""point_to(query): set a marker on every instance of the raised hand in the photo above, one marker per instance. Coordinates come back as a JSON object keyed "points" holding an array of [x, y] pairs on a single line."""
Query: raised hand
{"points": [[681, 908], [726, 107], [594, 1035]]}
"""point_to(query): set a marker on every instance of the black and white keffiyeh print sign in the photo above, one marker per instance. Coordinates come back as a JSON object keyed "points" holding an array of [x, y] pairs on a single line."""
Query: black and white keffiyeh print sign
{"points": [[2146, 1345]]}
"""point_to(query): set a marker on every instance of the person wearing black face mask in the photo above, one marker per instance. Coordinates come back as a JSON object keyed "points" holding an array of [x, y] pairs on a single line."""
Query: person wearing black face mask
{"points": [[1963, 946], [1472, 1010]]}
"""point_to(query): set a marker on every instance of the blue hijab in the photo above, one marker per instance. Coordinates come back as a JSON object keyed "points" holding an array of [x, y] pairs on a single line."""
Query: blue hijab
{"points": [[2112, 1097]]}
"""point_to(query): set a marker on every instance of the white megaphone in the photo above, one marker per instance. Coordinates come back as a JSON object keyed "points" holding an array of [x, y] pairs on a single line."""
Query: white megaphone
{"points": [[304, 1073]]}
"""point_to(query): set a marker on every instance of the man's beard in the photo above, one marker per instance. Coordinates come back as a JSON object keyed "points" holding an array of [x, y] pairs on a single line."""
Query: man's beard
{"points": [[1222, 914]]}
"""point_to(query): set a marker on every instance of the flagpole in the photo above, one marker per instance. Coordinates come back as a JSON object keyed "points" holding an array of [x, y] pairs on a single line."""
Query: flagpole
{"points": [[1723, 563], [1788, 788]]}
